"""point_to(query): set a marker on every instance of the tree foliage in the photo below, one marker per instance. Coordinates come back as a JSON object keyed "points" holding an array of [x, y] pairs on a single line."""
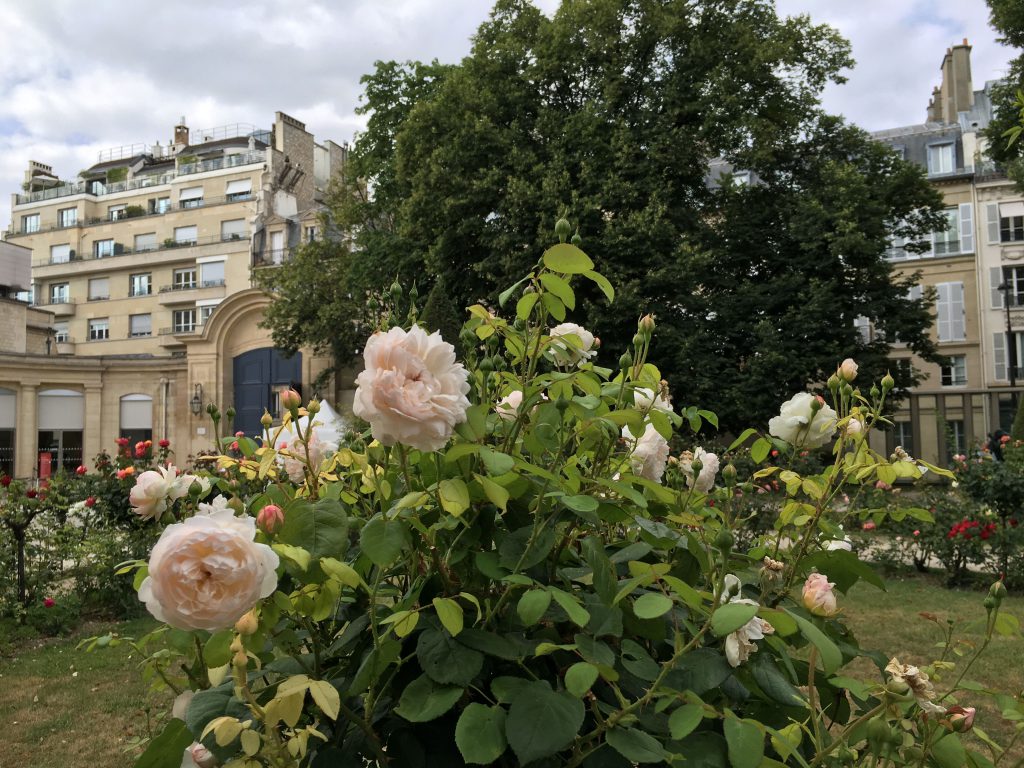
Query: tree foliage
{"points": [[1007, 18]]}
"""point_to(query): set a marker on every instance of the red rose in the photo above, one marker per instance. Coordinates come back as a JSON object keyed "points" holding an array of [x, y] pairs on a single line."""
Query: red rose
{"points": [[49, 602], [90, 502], [5, 481], [164, 443], [80, 469], [31, 493]]}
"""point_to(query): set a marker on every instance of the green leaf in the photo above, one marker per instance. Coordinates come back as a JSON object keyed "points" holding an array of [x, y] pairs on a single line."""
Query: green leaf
{"points": [[424, 700], [651, 605], [746, 435], [559, 288], [580, 503], [383, 540], [450, 614], [1006, 624], [454, 496], [166, 749], [579, 677], [601, 282], [746, 743], [831, 657], [506, 688], [683, 721], [700, 671], [843, 568], [489, 643], [759, 450], [578, 615], [568, 259], [320, 528], [636, 746], [773, 682], [532, 605], [480, 734], [730, 617], [297, 555], [505, 295], [446, 660], [343, 572], [948, 752], [496, 494], [526, 304], [497, 463], [217, 651], [541, 722]]}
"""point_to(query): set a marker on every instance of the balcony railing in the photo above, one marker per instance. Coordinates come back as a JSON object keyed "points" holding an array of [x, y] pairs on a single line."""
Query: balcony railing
{"points": [[166, 245], [192, 286], [98, 189], [52, 302], [182, 330], [272, 258]]}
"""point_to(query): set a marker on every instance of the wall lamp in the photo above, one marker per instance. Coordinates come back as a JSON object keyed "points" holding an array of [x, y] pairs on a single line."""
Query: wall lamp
{"points": [[196, 403]]}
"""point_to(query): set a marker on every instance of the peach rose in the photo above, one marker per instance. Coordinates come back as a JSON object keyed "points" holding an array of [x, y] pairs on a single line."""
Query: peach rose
{"points": [[155, 489], [818, 596], [411, 391], [205, 572]]}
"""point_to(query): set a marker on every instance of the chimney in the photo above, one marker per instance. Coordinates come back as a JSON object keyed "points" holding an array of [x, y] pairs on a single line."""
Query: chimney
{"points": [[956, 94], [181, 133]]}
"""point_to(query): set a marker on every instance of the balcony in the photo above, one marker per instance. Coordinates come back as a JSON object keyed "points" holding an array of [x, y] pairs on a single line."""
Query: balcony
{"points": [[65, 346], [61, 307], [175, 336], [191, 292], [220, 163], [272, 258], [168, 244]]}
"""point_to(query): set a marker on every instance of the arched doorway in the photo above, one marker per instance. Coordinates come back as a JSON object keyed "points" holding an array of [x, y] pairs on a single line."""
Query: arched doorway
{"points": [[259, 376]]}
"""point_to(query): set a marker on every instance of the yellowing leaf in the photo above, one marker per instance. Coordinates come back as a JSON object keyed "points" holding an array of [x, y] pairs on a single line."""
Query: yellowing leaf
{"points": [[454, 496], [326, 697], [450, 614]]}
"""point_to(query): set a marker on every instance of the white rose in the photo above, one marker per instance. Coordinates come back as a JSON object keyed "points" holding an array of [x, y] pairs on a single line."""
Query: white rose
{"points": [[180, 707], [740, 644], [508, 407], [646, 400], [705, 479], [155, 489], [799, 425], [649, 453], [207, 571], [412, 391], [844, 543], [570, 344]]}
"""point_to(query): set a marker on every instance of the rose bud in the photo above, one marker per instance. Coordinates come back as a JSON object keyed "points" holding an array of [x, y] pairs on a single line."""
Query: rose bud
{"points": [[80, 469], [818, 597], [266, 420], [647, 325], [247, 624], [959, 719], [847, 370], [291, 400], [239, 433], [887, 383], [270, 519]]}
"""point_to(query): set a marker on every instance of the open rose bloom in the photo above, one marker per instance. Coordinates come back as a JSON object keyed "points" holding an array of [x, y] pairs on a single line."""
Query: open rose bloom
{"points": [[156, 489], [411, 391], [207, 571]]}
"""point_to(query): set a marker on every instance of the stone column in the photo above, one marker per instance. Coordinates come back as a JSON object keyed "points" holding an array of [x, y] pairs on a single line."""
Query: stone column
{"points": [[92, 440], [25, 458]]}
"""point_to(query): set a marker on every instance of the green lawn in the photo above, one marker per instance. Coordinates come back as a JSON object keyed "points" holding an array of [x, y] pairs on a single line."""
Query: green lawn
{"points": [[62, 707]]}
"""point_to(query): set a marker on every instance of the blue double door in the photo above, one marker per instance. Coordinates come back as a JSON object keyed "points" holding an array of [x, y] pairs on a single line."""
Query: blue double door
{"points": [[260, 376]]}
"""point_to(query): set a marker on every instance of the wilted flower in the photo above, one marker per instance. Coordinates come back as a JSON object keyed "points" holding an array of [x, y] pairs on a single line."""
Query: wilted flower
{"points": [[570, 344], [649, 453], [818, 596], [323, 441], [412, 391], [205, 572], [705, 479], [803, 420], [844, 543], [900, 455], [918, 683]]}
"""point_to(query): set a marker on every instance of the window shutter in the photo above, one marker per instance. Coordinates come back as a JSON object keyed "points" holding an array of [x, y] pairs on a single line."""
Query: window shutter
{"points": [[957, 319], [136, 412], [995, 279], [999, 356], [966, 228], [943, 308], [992, 219]]}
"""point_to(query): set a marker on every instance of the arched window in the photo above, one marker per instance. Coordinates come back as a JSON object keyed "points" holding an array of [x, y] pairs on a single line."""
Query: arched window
{"points": [[61, 425], [137, 417], [8, 423]]}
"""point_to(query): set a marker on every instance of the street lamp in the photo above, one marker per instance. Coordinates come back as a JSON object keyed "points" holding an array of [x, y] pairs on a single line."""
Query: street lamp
{"points": [[1005, 287], [196, 403]]}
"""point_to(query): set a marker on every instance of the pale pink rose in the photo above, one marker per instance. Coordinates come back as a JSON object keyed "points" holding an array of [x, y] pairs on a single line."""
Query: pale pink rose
{"points": [[818, 596], [648, 454], [205, 572], [960, 719], [508, 407], [270, 519], [847, 370], [411, 391], [705, 479], [570, 344], [854, 426], [155, 489], [295, 458], [198, 756]]}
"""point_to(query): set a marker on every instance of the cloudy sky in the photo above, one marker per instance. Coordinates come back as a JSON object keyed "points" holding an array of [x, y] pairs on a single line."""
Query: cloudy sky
{"points": [[76, 78]]}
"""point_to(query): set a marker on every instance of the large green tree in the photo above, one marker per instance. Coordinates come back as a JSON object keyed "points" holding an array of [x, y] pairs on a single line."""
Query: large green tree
{"points": [[1007, 18], [617, 113]]}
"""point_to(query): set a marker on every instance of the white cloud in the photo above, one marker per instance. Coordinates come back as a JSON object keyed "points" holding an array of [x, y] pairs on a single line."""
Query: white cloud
{"points": [[75, 78]]}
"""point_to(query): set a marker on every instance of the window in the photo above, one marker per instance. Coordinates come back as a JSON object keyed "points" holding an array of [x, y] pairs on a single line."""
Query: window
{"points": [[903, 433], [140, 284], [145, 242], [59, 293], [140, 325], [1011, 229], [1011, 276], [30, 223], [240, 189], [904, 368], [955, 435], [184, 320], [101, 249], [137, 418], [212, 273], [60, 332], [184, 278], [955, 373], [99, 288], [116, 212], [950, 308], [947, 241], [741, 178], [312, 233], [67, 217], [1000, 357], [191, 197], [61, 424], [186, 235], [233, 229], [160, 205], [863, 326], [940, 158], [99, 329], [61, 254], [205, 312]]}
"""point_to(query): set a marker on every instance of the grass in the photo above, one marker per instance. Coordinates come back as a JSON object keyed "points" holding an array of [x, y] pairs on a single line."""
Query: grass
{"points": [[63, 707], [889, 621]]}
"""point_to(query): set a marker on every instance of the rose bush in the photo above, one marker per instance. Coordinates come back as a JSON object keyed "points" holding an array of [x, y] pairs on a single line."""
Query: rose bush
{"points": [[485, 580]]}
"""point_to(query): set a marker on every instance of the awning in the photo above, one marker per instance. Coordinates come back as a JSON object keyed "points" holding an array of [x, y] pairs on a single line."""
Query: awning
{"points": [[136, 412], [191, 193], [239, 187], [1009, 210]]}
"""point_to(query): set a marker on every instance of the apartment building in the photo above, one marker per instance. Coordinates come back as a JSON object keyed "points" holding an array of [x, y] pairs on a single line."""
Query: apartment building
{"points": [[145, 262], [970, 265]]}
